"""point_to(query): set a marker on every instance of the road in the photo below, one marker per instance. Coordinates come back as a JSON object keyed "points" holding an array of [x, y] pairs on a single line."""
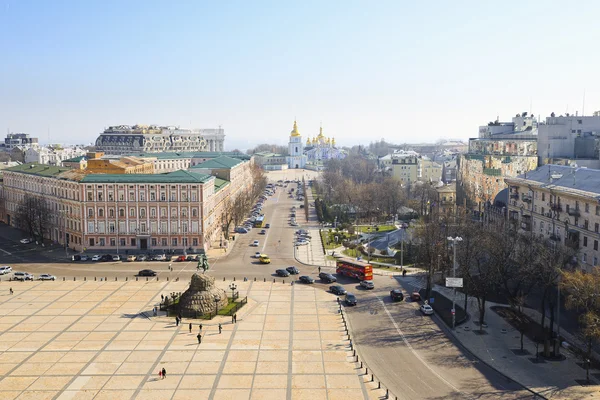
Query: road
{"points": [[408, 352]]}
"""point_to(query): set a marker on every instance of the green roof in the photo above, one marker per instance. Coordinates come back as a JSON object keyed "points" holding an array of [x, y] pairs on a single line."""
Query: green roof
{"points": [[222, 162], [220, 184], [268, 154], [38, 169], [75, 159], [180, 176], [195, 154]]}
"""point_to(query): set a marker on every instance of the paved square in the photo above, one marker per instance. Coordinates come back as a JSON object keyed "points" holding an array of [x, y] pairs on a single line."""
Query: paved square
{"points": [[98, 340]]}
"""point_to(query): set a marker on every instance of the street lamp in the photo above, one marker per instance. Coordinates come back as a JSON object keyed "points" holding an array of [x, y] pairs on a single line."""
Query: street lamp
{"points": [[454, 241], [232, 287], [217, 300]]}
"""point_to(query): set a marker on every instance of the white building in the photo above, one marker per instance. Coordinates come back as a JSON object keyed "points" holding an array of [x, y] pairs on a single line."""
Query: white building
{"points": [[52, 156], [320, 149], [296, 158]]}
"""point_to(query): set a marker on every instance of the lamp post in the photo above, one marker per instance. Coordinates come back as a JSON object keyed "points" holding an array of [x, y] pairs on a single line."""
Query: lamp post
{"points": [[217, 300], [454, 241], [233, 286]]}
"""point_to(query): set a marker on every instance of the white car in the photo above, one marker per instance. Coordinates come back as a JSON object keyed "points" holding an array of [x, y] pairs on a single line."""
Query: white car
{"points": [[301, 243], [426, 309], [96, 258], [255, 243], [257, 254], [293, 224], [5, 270], [22, 276], [367, 284], [46, 277], [26, 241]]}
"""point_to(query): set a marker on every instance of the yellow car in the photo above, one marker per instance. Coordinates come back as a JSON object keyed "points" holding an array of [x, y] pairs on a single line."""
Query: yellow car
{"points": [[264, 259]]}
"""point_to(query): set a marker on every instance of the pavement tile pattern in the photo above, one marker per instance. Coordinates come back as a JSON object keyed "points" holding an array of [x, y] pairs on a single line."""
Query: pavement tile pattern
{"points": [[98, 340]]}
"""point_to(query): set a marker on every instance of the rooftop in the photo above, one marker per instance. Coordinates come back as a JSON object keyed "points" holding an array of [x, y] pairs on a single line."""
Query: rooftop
{"points": [[180, 176], [75, 159], [196, 154], [222, 162], [38, 169], [584, 181], [220, 184]]}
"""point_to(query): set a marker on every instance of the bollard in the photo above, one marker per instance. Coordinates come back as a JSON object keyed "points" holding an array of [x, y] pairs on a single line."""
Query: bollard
{"points": [[74, 279], [387, 393], [254, 279], [63, 278], [361, 365], [273, 280], [223, 279], [283, 280], [105, 279], [115, 278], [136, 278], [167, 279], [94, 279], [146, 279], [234, 278], [264, 279], [372, 378], [356, 358], [379, 385], [126, 279], [85, 278], [354, 353], [156, 278]]}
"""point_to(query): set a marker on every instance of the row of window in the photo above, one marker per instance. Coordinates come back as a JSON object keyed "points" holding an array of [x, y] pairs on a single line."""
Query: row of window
{"points": [[112, 242], [142, 196], [142, 212], [134, 228]]}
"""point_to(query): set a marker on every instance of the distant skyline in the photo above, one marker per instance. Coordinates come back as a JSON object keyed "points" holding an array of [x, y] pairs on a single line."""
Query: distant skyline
{"points": [[405, 72]]}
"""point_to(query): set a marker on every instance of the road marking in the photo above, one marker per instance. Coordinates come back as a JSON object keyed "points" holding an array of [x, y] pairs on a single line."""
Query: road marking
{"points": [[412, 349], [6, 252]]}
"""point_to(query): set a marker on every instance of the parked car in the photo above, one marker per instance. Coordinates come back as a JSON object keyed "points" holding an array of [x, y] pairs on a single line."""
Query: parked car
{"points": [[22, 276], [263, 232], [306, 279], [327, 278], [426, 309], [415, 296], [337, 289], [282, 272], [180, 258], [46, 277], [26, 240], [106, 257], [241, 230], [96, 258], [116, 258], [146, 272], [159, 257], [301, 243], [141, 257], [5, 269], [264, 259], [257, 254], [267, 226], [397, 295], [192, 257], [84, 257], [130, 258], [255, 243], [367, 284], [76, 257], [292, 270], [350, 299]]}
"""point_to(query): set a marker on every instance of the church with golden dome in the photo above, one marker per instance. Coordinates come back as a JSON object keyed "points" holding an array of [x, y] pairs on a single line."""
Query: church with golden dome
{"points": [[296, 157], [321, 149]]}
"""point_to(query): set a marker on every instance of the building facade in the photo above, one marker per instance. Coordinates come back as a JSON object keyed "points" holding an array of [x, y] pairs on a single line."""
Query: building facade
{"points": [[296, 157], [52, 155], [320, 149], [560, 204], [13, 140], [402, 164], [125, 139], [270, 161]]}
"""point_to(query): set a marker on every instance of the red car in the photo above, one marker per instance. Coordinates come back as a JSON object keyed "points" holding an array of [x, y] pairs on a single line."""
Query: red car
{"points": [[415, 296], [180, 258]]}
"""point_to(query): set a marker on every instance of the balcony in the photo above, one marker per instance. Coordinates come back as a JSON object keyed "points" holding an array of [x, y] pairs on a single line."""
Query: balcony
{"points": [[572, 239], [514, 195], [574, 212], [556, 207], [526, 223], [526, 198]]}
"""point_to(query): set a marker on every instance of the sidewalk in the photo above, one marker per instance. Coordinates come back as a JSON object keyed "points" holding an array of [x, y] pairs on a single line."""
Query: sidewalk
{"points": [[499, 347]]}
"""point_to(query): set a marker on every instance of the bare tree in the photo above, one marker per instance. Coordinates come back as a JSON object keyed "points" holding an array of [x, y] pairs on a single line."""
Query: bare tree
{"points": [[34, 216]]}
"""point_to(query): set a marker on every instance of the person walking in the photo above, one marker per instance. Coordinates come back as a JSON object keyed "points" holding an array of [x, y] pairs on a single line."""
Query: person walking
{"points": [[176, 321], [200, 328], [220, 328], [199, 336], [319, 269], [235, 318], [190, 327], [232, 320], [11, 291], [164, 373], [160, 374], [162, 297]]}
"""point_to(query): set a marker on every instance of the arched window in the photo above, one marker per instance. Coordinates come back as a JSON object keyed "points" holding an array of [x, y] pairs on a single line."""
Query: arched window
{"points": [[101, 212], [121, 212], [194, 212], [111, 212], [142, 212]]}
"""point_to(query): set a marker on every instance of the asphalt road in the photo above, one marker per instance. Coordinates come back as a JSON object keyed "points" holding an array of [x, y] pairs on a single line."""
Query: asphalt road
{"points": [[410, 353]]}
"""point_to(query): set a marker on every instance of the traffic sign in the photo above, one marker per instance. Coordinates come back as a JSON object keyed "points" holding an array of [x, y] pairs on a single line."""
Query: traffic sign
{"points": [[454, 282], [453, 311]]}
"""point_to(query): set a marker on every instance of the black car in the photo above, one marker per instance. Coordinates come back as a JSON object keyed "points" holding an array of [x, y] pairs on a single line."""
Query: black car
{"points": [[396, 295], [282, 272], [306, 279], [146, 272], [350, 299], [337, 289], [106, 257], [328, 278], [292, 270]]}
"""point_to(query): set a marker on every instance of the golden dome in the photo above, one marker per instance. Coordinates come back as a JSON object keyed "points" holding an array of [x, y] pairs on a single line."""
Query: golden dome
{"points": [[308, 141], [333, 141], [321, 132], [295, 130]]}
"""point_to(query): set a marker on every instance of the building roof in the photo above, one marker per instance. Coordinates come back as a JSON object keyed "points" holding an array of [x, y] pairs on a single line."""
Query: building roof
{"points": [[582, 181], [222, 162], [193, 154], [75, 159], [220, 184], [180, 176], [38, 169], [268, 154]]}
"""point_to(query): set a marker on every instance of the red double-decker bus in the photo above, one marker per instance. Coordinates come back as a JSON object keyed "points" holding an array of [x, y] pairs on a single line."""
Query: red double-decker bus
{"points": [[354, 269]]}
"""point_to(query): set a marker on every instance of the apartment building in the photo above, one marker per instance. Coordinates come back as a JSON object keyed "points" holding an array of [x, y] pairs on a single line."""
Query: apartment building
{"points": [[403, 165], [560, 204]]}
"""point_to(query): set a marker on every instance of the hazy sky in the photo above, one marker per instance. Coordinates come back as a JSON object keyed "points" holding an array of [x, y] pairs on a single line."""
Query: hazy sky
{"points": [[403, 71]]}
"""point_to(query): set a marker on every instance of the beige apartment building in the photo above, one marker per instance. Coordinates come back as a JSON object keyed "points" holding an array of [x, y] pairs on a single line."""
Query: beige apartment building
{"points": [[560, 204], [119, 213]]}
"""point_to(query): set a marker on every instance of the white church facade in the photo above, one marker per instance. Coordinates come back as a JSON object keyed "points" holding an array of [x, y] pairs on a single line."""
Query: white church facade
{"points": [[296, 157]]}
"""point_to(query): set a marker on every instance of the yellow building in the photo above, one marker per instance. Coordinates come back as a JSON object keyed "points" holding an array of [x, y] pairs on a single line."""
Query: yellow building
{"points": [[124, 165]]}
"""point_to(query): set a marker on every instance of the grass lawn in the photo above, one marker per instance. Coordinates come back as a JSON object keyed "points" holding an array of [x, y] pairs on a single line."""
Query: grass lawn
{"points": [[354, 253], [225, 310], [324, 239], [368, 228]]}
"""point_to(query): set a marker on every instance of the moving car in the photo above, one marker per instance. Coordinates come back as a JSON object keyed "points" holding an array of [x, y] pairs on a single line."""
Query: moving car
{"points": [[257, 254], [22, 276], [26, 241], [426, 309], [5, 270], [415, 296], [327, 278], [396, 295], [337, 289], [263, 232], [292, 270], [76, 257], [255, 243], [306, 279], [282, 272], [267, 226], [264, 259], [96, 258], [131, 257], [46, 277], [180, 258], [301, 243], [146, 272], [350, 299], [367, 284]]}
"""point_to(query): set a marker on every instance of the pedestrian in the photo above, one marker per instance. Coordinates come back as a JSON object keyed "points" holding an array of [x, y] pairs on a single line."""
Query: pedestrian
{"points": [[235, 318], [200, 328], [190, 327], [154, 311], [176, 321], [160, 374], [338, 299], [319, 269], [11, 291], [404, 273], [232, 320], [220, 328], [162, 297], [164, 373], [199, 336]]}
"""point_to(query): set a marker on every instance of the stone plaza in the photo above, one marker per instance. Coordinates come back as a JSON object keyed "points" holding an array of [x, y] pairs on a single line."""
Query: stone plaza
{"points": [[100, 340]]}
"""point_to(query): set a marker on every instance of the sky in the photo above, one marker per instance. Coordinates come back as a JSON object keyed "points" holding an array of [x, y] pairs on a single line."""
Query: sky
{"points": [[365, 70]]}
